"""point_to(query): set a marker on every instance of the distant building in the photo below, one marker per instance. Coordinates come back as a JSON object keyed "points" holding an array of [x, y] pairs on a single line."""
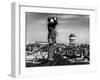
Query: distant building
{"points": [[40, 42], [72, 38]]}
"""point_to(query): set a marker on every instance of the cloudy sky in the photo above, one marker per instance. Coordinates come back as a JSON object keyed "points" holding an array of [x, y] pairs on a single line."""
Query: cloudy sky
{"points": [[36, 27]]}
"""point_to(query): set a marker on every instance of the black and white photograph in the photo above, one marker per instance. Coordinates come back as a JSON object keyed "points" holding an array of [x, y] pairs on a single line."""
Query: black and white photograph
{"points": [[53, 39]]}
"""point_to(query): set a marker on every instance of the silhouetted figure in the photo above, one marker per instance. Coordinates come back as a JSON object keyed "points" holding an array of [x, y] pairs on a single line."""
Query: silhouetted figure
{"points": [[52, 22]]}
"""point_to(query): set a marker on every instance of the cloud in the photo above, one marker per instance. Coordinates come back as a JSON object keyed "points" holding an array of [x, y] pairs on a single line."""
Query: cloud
{"points": [[41, 21]]}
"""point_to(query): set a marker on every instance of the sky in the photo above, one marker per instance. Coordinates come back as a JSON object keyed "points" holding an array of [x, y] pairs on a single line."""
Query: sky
{"points": [[36, 27]]}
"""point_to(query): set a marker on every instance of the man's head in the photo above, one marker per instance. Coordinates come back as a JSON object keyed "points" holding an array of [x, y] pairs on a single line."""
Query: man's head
{"points": [[53, 20]]}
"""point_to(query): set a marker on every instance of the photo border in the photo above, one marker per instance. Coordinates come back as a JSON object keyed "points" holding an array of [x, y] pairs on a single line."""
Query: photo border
{"points": [[17, 63]]}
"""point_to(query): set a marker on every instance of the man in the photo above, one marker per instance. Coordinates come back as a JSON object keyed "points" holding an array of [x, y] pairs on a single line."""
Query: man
{"points": [[52, 22]]}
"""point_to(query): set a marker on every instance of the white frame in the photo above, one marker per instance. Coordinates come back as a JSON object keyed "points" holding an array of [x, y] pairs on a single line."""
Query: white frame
{"points": [[18, 41]]}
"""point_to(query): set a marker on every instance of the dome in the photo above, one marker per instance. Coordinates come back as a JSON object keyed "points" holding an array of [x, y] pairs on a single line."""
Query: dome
{"points": [[72, 35]]}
